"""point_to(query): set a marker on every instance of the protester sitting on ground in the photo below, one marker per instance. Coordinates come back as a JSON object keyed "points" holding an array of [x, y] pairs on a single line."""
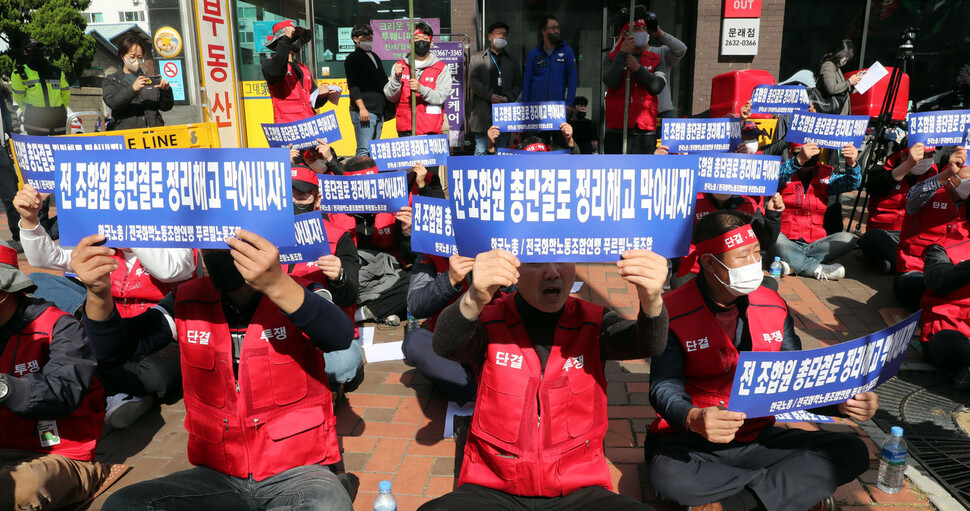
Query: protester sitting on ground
{"points": [[134, 99], [51, 405], [946, 307], [750, 137], [887, 187], [322, 159], [735, 462], [337, 273], [585, 131], [935, 208], [527, 348], [437, 282], [432, 86], [806, 185], [258, 407], [535, 142], [143, 276]]}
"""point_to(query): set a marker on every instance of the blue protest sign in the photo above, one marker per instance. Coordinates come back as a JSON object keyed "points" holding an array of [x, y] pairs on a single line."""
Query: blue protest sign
{"points": [[34, 156], [779, 99], [582, 208], [369, 193], [431, 230], [536, 116], [406, 152], [948, 127], [504, 151], [303, 134], [803, 416], [738, 174], [701, 135], [767, 383], [311, 240], [174, 198], [966, 139], [831, 131]]}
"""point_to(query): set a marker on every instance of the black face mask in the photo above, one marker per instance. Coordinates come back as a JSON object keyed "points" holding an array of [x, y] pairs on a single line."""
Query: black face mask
{"points": [[580, 115], [299, 209], [421, 48], [813, 161], [222, 271], [554, 37], [35, 59]]}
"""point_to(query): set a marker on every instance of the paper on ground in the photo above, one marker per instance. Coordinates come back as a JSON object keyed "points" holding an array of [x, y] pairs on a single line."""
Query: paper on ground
{"points": [[875, 73], [384, 351], [366, 335], [576, 286], [454, 409]]}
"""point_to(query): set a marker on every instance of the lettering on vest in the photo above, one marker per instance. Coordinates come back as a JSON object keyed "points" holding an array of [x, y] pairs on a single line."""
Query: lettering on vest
{"points": [[197, 337], [274, 334], [573, 363], [508, 360], [32, 366], [775, 336], [698, 344]]}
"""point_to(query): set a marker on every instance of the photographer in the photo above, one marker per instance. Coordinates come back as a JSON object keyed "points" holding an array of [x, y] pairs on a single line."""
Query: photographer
{"points": [[136, 100], [290, 82]]}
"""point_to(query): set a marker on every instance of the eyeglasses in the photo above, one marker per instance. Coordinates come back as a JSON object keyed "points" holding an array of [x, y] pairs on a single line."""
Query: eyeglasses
{"points": [[140, 60], [553, 29]]}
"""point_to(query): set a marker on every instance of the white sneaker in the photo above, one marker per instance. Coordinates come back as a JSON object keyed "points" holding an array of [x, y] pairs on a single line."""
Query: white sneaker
{"points": [[785, 269], [122, 409], [830, 272]]}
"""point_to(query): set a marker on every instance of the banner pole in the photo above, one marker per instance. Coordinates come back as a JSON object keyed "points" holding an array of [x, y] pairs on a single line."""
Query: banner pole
{"points": [[414, 98], [626, 94]]}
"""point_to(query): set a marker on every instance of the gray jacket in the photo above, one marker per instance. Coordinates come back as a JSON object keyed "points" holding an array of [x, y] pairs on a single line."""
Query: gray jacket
{"points": [[481, 65], [671, 51], [833, 83]]}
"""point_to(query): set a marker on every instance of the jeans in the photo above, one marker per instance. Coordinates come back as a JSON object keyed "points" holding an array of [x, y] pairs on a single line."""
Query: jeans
{"points": [[370, 130], [472, 497], [455, 380], [30, 480], [343, 365], [67, 294], [880, 245], [309, 487], [804, 258], [909, 289], [481, 142]]}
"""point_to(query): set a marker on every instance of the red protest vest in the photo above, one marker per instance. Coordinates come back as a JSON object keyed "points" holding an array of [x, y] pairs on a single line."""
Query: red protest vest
{"points": [[427, 123], [276, 415], [291, 96], [135, 291], [887, 211], [643, 104], [937, 219], [804, 212], [952, 311], [26, 352], [513, 448], [710, 357]]}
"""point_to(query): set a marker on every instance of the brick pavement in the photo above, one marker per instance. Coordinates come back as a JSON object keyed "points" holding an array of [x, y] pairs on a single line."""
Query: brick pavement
{"points": [[392, 426]]}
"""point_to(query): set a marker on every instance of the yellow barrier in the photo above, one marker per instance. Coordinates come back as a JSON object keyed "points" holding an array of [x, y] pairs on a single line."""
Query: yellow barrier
{"points": [[769, 125], [181, 136]]}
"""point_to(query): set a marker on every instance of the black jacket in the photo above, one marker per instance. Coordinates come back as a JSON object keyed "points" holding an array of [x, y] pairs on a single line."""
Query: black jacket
{"points": [[131, 109], [366, 81]]}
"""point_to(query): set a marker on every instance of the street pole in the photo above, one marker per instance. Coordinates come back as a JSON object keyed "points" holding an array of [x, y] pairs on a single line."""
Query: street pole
{"points": [[626, 94], [414, 98]]}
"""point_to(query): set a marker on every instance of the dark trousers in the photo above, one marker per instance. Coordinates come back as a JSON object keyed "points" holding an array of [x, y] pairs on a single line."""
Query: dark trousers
{"points": [[880, 245], [909, 288], [787, 469], [456, 381], [472, 497], [949, 349], [638, 142], [157, 374]]}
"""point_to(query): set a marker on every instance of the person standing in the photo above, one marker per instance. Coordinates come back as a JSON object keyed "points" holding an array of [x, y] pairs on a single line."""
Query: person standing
{"points": [[550, 68], [671, 50], [432, 87], [290, 82], [135, 101], [831, 82], [366, 79], [584, 129], [495, 78], [42, 92]]}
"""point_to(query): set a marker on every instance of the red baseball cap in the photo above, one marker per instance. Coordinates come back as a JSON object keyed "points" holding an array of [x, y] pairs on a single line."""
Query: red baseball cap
{"points": [[304, 179]]}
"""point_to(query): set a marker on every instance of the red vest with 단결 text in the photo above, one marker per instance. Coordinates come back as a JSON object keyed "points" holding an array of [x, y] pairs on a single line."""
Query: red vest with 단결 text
{"points": [[937, 219], [804, 213], [950, 312], [427, 122]]}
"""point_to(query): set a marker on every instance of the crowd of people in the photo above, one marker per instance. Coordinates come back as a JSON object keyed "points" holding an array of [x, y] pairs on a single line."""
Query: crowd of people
{"points": [[261, 352]]}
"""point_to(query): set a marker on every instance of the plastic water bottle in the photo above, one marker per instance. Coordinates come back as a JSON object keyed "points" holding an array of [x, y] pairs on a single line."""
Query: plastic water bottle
{"points": [[385, 500], [412, 324], [775, 268], [892, 463]]}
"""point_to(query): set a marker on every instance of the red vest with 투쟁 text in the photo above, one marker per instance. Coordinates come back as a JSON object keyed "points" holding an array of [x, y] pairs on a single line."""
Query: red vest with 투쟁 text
{"points": [[291, 96], [710, 357], [939, 218], [135, 291], [804, 212], [643, 104], [952, 311], [276, 414], [427, 122], [539, 433], [26, 352]]}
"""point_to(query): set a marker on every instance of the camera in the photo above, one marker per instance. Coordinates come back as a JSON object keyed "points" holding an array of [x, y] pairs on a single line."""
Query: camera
{"points": [[907, 37], [302, 34]]}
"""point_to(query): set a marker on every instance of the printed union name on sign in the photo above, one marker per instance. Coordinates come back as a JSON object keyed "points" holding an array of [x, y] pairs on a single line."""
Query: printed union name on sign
{"points": [[948, 127], [34, 155], [547, 115], [431, 229], [174, 198], [406, 152], [303, 134], [311, 240], [579, 208], [738, 174]]}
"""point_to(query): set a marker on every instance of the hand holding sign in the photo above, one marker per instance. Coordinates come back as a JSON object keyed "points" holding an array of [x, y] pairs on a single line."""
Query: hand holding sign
{"points": [[648, 272], [458, 268], [404, 216], [861, 407], [93, 266], [330, 266], [492, 270], [420, 175], [714, 423], [851, 154], [567, 133], [808, 151], [28, 203], [258, 261]]}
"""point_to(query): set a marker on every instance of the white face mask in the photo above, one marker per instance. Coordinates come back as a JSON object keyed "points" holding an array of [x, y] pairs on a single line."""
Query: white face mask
{"points": [[963, 189], [640, 39], [751, 145], [921, 166], [744, 280], [499, 42], [366, 45], [132, 65]]}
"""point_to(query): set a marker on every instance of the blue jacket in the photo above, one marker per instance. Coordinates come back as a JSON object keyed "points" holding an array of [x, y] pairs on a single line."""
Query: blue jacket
{"points": [[550, 78]]}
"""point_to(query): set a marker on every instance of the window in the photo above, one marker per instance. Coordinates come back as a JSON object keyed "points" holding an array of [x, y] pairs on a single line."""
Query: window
{"points": [[131, 16], [93, 17]]}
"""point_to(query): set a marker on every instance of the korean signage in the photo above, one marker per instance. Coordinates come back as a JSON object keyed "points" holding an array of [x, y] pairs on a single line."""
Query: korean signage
{"points": [[392, 38], [303, 134], [217, 54], [779, 99], [701, 135], [311, 240], [831, 131], [171, 71], [34, 155], [365, 193], [742, 8], [453, 54], [948, 127], [739, 36], [738, 174], [406, 152], [431, 230], [543, 116]]}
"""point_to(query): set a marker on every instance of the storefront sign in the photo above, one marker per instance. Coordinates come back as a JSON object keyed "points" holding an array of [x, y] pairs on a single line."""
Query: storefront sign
{"points": [[742, 8], [168, 42], [453, 54], [739, 36], [392, 38], [217, 51]]}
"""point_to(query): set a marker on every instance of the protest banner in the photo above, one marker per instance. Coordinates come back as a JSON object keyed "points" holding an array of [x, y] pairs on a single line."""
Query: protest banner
{"points": [[537, 116], [406, 152], [453, 54], [366, 193], [431, 229], [831, 131], [34, 156], [174, 198], [947, 127], [303, 134], [966, 139], [767, 383], [311, 240], [803, 416], [581, 208], [505, 151], [738, 174], [701, 135], [779, 99]]}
